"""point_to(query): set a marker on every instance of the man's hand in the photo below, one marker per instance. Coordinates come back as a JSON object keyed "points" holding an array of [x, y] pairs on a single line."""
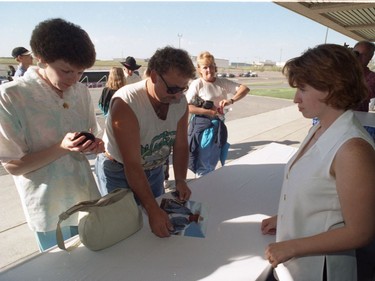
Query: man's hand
{"points": [[184, 191], [159, 223]]}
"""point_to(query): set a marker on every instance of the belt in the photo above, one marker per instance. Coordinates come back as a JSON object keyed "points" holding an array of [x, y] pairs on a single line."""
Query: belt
{"points": [[109, 157], [106, 154]]}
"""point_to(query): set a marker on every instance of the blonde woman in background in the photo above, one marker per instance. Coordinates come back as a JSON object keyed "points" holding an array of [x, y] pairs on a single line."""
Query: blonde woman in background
{"points": [[116, 80], [207, 96]]}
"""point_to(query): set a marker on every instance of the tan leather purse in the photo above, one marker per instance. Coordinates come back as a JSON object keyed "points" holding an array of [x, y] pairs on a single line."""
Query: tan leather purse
{"points": [[105, 221]]}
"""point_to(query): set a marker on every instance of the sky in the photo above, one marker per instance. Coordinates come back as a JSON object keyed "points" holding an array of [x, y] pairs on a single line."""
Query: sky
{"points": [[238, 31]]}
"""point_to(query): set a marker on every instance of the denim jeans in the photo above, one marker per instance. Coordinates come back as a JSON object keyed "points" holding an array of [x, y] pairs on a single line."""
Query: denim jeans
{"points": [[208, 159], [111, 175], [47, 239], [209, 150], [371, 131]]}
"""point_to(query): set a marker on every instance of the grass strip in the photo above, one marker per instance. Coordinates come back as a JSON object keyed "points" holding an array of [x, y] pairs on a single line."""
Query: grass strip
{"points": [[287, 93]]}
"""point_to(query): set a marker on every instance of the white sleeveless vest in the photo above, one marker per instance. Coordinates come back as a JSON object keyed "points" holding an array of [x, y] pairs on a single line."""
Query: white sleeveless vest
{"points": [[309, 203]]}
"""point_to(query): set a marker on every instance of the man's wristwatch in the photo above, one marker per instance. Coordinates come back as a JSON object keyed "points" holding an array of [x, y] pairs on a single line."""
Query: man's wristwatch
{"points": [[179, 180]]}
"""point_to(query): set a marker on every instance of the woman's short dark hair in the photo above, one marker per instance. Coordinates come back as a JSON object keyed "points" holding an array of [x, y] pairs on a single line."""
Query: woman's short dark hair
{"points": [[169, 57], [57, 39], [332, 68]]}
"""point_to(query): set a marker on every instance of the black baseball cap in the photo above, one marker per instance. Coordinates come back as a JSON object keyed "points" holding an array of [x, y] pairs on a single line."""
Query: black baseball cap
{"points": [[20, 51]]}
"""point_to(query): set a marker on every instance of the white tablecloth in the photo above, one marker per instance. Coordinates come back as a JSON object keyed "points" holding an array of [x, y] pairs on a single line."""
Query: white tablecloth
{"points": [[237, 197]]}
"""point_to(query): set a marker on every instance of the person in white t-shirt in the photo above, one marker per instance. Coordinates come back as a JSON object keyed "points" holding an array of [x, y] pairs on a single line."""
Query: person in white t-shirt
{"points": [[24, 58], [146, 120], [207, 97]]}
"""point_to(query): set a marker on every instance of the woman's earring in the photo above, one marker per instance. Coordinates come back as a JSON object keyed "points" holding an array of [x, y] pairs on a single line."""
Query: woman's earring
{"points": [[41, 65]]}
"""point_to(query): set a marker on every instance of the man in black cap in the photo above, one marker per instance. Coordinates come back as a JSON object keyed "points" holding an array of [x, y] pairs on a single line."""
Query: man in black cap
{"points": [[130, 70], [24, 58]]}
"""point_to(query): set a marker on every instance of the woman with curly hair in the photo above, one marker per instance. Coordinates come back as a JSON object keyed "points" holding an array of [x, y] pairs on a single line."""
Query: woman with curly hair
{"points": [[41, 115]]}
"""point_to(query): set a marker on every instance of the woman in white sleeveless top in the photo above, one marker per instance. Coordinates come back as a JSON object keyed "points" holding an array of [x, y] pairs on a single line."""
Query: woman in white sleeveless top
{"points": [[327, 202]]}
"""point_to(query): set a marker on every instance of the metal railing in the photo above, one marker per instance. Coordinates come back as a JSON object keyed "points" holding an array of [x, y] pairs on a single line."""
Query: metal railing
{"points": [[99, 84]]}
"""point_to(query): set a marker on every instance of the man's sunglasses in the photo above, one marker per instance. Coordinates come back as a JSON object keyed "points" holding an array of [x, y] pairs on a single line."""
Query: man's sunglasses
{"points": [[174, 90]]}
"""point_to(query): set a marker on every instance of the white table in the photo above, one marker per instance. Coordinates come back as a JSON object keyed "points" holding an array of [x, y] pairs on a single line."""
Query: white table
{"points": [[237, 196]]}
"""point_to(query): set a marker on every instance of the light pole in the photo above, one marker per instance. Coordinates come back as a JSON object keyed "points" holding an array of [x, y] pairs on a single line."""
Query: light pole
{"points": [[325, 40], [179, 35]]}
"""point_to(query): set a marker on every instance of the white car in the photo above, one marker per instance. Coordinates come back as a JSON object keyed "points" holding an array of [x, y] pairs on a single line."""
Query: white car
{"points": [[250, 74]]}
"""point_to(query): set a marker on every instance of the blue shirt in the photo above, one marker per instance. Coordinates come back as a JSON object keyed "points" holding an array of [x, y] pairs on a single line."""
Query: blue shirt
{"points": [[20, 71]]}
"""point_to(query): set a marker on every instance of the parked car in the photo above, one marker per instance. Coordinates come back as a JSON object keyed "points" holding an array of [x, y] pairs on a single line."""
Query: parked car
{"points": [[3, 79], [230, 75], [221, 75], [249, 74]]}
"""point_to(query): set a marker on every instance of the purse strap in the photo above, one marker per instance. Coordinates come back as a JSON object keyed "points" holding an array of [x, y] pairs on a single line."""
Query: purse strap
{"points": [[86, 206]]}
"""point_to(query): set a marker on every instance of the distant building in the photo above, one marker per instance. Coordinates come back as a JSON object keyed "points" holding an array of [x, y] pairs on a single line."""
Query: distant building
{"points": [[264, 63], [240, 64], [269, 63]]}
